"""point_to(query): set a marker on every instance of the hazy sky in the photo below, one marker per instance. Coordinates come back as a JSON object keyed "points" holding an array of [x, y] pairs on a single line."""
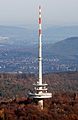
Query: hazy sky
{"points": [[54, 12]]}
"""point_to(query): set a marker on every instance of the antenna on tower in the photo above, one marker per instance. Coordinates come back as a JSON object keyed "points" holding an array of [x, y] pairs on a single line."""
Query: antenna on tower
{"points": [[40, 89], [40, 47]]}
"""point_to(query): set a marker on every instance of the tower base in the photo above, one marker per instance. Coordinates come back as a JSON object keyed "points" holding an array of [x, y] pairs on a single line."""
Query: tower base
{"points": [[40, 103]]}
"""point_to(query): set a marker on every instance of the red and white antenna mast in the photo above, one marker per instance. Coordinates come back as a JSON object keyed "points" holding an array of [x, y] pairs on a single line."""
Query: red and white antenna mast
{"points": [[40, 89], [40, 47]]}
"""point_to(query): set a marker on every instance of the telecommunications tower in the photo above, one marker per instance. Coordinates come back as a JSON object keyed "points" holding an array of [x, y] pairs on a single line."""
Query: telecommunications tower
{"points": [[40, 88]]}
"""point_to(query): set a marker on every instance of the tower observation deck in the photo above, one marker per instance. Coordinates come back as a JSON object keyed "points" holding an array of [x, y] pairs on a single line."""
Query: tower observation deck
{"points": [[40, 89]]}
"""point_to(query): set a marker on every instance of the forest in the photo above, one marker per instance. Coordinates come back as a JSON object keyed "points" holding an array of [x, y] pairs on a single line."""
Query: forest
{"points": [[15, 104], [62, 106]]}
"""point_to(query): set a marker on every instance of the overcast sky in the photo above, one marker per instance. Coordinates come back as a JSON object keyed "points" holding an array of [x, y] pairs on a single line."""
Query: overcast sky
{"points": [[25, 12]]}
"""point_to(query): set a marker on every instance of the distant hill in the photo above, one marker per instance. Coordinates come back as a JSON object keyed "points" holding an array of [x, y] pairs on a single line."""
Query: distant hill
{"points": [[58, 33], [24, 35], [19, 49], [67, 47], [16, 35]]}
